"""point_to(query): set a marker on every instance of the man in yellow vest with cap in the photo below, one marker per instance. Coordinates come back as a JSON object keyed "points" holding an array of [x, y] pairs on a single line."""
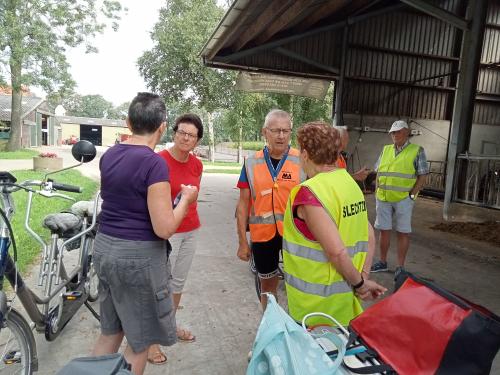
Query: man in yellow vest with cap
{"points": [[266, 179], [401, 173]]}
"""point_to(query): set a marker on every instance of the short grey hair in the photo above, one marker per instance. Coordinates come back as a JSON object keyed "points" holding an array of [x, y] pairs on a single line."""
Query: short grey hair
{"points": [[277, 113]]}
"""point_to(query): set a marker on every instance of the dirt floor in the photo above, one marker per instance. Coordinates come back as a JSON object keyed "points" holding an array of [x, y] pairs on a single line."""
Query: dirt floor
{"points": [[488, 231]]}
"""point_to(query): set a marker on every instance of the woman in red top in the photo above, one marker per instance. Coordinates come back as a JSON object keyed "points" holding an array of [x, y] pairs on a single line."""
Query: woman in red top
{"points": [[186, 169]]}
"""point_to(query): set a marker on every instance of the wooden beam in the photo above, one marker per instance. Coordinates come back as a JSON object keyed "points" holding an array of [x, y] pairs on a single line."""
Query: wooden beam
{"points": [[274, 10], [232, 56], [322, 12], [233, 29], [287, 17]]}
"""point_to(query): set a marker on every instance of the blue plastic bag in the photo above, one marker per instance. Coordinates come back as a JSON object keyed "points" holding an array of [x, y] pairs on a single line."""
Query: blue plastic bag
{"points": [[283, 347]]}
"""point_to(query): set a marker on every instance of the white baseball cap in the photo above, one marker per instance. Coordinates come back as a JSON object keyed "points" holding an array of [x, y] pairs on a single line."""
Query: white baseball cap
{"points": [[398, 125]]}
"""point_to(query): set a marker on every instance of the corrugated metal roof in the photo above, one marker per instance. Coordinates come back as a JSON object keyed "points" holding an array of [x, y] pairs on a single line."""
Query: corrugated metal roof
{"points": [[90, 121], [29, 104], [399, 59]]}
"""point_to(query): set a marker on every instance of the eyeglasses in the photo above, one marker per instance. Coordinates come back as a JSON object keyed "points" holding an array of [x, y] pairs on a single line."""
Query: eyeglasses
{"points": [[182, 133], [278, 131]]}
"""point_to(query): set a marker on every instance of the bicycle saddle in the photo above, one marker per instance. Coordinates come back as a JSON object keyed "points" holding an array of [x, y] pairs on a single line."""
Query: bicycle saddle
{"points": [[63, 223], [85, 208]]}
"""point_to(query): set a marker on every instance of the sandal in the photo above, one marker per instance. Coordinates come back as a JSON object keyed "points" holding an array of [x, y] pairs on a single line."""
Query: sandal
{"points": [[185, 335], [158, 358]]}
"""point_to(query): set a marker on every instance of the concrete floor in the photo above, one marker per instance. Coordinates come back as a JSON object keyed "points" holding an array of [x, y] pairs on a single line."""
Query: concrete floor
{"points": [[220, 305]]}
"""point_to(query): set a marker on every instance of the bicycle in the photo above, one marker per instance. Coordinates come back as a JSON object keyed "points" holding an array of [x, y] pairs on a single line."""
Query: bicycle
{"points": [[64, 293]]}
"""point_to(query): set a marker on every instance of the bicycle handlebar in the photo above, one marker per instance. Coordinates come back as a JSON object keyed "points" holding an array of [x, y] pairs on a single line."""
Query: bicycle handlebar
{"points": [[47, 187], [65, 187]]}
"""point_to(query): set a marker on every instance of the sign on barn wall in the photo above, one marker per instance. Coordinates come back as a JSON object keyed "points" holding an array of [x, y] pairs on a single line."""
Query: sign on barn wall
{"points": [[258, 82]]}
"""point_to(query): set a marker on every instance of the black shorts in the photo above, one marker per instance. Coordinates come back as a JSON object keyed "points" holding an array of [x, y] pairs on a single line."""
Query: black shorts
{"points": [[267, 255]]}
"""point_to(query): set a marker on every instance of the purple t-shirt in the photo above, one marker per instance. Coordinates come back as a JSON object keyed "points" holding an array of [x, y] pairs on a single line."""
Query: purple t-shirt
{"points": [[126, 173]]}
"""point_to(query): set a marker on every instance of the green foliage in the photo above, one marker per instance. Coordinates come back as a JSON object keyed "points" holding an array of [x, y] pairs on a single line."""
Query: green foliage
{"points": [[34, 36], [221, 164], [173, 68], [24, 153], [119, 112], [27, 248], [304, 109], [87, 106], [254, 146], [249, 110], [223, 171]]}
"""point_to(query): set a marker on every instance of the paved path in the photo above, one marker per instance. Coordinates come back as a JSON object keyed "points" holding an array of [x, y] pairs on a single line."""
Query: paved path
{"points": [[220, 304]]}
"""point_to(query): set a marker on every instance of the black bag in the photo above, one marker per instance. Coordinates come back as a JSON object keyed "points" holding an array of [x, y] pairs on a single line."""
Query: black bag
{"points": [[111, 364]]}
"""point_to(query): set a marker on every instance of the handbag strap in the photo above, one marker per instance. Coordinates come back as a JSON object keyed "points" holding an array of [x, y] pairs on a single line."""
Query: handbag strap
{"points": [[373, 369], [323, 315], [334, 339]]}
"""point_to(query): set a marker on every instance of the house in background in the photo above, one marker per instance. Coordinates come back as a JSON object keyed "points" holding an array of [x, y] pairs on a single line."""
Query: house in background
{"points": [[99, 131], [38, 121]]}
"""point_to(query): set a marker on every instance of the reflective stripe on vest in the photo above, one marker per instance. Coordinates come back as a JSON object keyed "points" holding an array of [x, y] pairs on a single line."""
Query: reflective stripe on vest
{"points": [[269, 199], [319, 256], [318, 289], [396, 175], [312, 282]]}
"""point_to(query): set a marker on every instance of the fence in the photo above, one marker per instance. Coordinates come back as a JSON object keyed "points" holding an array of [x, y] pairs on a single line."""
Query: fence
{"points": [[437, 176], [478, 180]]}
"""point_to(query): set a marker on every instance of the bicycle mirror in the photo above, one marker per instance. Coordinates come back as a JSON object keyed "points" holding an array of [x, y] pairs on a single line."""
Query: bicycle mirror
{"points": [[83, 151]]}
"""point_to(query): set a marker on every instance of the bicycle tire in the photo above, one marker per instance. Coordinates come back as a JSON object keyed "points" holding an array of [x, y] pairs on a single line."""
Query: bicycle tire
{"points": [[257, 282], [257, 285], [18, 346], [89, 272], [251, 264]]}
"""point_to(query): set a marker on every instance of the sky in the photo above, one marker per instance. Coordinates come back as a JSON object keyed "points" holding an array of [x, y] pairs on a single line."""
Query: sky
{"points": [[112, 72]]}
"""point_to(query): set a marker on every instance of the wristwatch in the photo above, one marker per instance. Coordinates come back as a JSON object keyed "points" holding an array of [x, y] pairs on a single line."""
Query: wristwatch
{"points": [[358, 285]]}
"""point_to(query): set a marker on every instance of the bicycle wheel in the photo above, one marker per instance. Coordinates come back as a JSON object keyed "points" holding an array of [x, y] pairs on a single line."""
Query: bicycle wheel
{"points": [[257, 285], [16, 345], [251, 264], [92, 281]]}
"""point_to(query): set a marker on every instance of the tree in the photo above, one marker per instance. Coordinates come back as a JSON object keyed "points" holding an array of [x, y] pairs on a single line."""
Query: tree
{"points": [[34, 36], [87, 106], [119, 112], [173, 67]]}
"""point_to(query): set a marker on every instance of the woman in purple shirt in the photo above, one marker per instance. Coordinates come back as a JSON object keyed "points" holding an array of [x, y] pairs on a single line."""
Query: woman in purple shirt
{"points": [[130, 251]]}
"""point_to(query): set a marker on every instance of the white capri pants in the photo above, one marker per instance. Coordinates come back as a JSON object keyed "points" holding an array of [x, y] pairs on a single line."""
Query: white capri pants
{"points": [[181, 257]]}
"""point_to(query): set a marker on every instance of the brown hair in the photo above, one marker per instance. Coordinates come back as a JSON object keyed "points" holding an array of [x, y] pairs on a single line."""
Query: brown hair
{"points": [[320, 140], [190, 118]]}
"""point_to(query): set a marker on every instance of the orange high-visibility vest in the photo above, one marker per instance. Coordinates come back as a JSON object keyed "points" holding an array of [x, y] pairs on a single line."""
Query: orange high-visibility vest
{"points": [[269, 197], [341, 163]]}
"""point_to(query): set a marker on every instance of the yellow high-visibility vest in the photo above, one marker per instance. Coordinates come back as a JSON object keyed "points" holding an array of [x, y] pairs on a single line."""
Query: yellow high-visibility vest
{"points": [[396, 175], [312, 282]]}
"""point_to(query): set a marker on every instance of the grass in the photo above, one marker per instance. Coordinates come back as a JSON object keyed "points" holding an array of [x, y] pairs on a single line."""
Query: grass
{"points": [[27, 248], [20, 154], [255, 146], [224, 171], [222, 164]]}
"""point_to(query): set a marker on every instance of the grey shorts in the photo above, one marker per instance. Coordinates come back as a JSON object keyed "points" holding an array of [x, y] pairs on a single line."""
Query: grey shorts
{"points": [[134, 291], [400, 212]]}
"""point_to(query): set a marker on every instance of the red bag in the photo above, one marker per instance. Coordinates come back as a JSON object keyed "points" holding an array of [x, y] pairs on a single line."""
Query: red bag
{"points": [[424, 329]]}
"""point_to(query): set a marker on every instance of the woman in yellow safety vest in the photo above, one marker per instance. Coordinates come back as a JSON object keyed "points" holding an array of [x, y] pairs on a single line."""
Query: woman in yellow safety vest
{"points": [[328, 242]]}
